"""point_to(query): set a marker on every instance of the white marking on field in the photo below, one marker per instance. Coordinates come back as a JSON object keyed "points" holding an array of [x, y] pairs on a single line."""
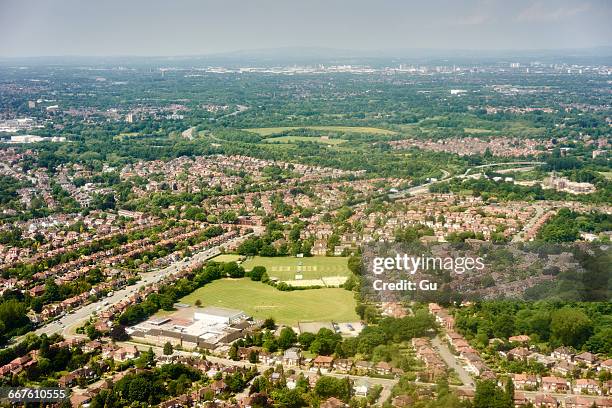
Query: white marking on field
{"points": [[334, 280], [305, 282]]}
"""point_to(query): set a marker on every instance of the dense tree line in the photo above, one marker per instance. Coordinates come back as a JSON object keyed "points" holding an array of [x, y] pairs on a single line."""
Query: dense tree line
{"points": [[584, 326]]}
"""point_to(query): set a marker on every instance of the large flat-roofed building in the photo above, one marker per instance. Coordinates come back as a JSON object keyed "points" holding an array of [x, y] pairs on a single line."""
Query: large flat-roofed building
{"points": [[219, 315], [190, 328]]}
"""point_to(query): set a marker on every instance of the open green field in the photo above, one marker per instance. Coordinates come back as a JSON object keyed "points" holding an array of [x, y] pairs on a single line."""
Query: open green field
{"points": [[349, 129], [606, 174], [291, 139], [476, 130], [262, 301], [226, 258], [285, 268]]}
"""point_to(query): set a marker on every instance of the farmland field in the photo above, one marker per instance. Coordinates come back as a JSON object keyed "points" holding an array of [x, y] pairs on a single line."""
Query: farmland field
{"points": [[311, 268], [262, 301], [350, 129]]}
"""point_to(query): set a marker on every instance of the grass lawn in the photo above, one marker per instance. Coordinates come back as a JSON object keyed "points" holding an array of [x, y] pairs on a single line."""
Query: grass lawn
{"points": [[286, 267], [349, 129], [477, 130], [262, 301], [606, 174], [226, 258], [291, 139]]}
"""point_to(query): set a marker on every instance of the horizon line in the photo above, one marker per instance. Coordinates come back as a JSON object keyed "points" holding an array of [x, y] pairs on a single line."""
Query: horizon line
{"points": [[367, 53]]}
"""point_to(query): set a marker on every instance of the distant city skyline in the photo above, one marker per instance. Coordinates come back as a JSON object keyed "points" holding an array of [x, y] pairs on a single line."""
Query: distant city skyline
{"points": [[190, 27]]}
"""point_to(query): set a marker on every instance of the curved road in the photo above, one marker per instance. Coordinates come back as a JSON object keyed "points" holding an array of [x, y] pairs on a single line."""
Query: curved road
{"points": [[424, 188]]}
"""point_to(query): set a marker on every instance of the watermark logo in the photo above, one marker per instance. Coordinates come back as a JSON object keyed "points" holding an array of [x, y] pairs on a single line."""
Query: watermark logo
{"points": [[482, 270]]}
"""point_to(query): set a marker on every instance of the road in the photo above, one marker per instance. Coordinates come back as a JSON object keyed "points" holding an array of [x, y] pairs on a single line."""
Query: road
{"points": [[484, 166], [421, 189], [387, 384], [239, 109], [539, 211], [81, 315], [424, 188], [452, 361]]}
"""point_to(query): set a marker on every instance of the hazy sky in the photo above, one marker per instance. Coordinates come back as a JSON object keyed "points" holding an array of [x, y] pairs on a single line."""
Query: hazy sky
{"points": [[186, 27]]}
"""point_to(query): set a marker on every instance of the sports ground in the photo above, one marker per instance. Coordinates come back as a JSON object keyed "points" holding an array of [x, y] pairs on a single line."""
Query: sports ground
{"points": [[318, 270], [262, 301]]}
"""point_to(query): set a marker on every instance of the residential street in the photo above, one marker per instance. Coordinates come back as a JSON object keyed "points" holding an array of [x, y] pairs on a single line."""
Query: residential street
{"points": [[79, 316], [452, 361], [387, 384]]}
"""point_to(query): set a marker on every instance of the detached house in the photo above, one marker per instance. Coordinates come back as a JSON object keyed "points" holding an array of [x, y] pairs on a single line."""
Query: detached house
{"points": [[565, 368], [523, 339], [383, 368], [519, 353], [363, 367], [323, 363], [292, 357], [605, 365], [545, 401], [554, 384], [332, 403], [525, 381], [563, 353], [343, 364], [586, 386], [588, 359], [126, 353]]}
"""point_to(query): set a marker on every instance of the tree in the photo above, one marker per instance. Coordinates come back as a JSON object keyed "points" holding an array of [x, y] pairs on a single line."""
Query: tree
{"points": [[92, 333], [233, 270], [267, 250], [325, 342], [570, 327], [233, 352], [13, 315], [250, 247], [37, 304], [253, 357], [510, 392], [269, 324], [354, 264], [229, 217], [601, 342], [118, 333], [503, 326], [305, 339], [333, 387], [139, 389], [150, 358], [168, 350], [270, 344], [286, 338], [489, 395], [288, 398], [257, 273]]}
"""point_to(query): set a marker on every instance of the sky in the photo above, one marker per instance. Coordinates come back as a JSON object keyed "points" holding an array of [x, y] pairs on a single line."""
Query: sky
{"points": [[199, 27]]}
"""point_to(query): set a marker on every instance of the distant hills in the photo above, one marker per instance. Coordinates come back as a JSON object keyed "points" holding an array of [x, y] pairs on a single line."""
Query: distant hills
{"points": [[318, 55]]}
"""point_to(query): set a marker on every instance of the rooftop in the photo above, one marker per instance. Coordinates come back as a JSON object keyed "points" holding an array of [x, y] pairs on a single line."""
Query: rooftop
{"points": [[220, 311]]}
